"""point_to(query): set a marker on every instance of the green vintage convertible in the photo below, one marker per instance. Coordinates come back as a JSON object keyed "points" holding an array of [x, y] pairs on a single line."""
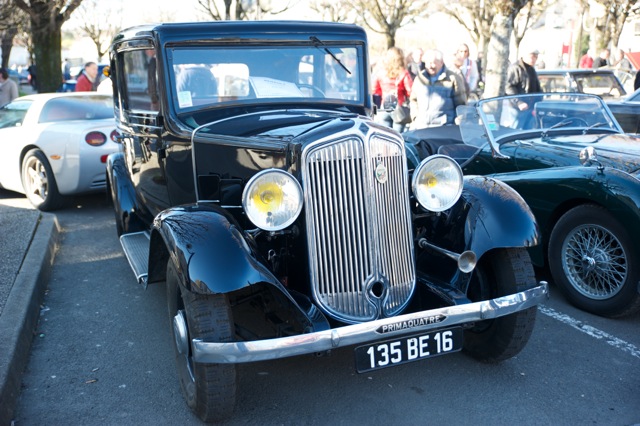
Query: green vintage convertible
{"points": [[570, 160]]}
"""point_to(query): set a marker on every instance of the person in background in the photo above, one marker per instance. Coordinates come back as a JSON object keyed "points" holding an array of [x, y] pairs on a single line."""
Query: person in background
{"points": [[586, 60], [66, 70], [392, 85], [621, 62], [8, 88], [602, 60], [88, 79], [32, 76], [479, 64], [522, 78], [414, 63], [436, 93], [636, 81], [468, 67]]}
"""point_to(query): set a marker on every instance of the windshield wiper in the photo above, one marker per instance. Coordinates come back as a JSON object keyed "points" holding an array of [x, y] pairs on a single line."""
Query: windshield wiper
{"points": [[598, 124], [317, 43], [565, 122]]}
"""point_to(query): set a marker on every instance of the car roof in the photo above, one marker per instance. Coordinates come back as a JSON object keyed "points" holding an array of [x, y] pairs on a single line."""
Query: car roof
{"points": [[244, 30], [575, 71], [47, 96]]}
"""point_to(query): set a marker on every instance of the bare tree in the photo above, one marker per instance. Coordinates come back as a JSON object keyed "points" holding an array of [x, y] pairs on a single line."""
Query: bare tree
{"points": [[241, 10], [12, 22], [99, 21], [476, 16], [619, 13], [388, 16], [497, 60], [529, 17], [332, 11], [47, 17]]}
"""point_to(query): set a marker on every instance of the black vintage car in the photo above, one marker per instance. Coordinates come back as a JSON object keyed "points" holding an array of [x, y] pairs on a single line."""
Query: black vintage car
{"points": [[283, 221]]}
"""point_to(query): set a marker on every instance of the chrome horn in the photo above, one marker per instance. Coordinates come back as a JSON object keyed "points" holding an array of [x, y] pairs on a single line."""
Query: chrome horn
{"points": [[467, 260]]}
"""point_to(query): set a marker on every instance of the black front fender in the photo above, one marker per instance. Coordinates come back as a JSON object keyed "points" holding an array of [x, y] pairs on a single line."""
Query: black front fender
{"points": [[498, 217], [210, 252], [122, 194], [489, 215]]}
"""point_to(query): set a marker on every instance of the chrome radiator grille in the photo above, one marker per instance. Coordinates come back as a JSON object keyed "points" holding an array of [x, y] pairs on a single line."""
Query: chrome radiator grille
{"points": [[359, 228]]}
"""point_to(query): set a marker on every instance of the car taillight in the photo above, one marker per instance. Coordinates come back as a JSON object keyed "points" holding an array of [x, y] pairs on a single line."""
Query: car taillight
{"points": [[114, 134], [95, 138]]}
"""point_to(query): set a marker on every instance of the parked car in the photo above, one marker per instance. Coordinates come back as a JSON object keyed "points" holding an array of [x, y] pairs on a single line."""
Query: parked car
{"points": [[56, 144], [20, 77], [627, 112], [285, 222], [568, 158], [602, 82]]}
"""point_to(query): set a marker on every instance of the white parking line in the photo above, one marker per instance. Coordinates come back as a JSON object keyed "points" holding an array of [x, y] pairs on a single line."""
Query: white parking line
{"points": [[591, 331]]}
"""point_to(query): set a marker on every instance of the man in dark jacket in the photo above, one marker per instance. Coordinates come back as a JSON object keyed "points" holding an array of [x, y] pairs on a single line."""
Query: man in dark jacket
{"points": [[523, 78]]}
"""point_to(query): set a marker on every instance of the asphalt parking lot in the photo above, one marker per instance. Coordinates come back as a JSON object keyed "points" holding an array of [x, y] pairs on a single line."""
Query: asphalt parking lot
{"points": [[102, 353]]}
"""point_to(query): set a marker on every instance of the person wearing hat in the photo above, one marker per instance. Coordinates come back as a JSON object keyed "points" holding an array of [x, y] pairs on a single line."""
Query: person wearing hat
{"points": [[523, 78], [8, 88]]}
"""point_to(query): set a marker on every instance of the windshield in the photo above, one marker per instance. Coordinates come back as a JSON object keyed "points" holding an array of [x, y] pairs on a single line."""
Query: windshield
{"points": [[217, 76], [13, 114], [511, 116]]}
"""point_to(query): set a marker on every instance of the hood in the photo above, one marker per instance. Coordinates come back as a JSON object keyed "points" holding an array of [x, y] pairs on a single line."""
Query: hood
{"points": [[620, 151], [283, 126]]}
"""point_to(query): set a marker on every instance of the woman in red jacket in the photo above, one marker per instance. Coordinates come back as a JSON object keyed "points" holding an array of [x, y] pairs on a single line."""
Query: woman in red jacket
{"points": [[391, 86]]}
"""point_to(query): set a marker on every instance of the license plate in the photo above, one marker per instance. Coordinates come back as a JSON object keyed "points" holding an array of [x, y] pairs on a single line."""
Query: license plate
{"points": [[407, 349]]}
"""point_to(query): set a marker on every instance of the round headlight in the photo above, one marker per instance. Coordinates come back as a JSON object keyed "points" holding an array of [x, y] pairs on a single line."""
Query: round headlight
{"points": [[437, 183], [272, 199]]}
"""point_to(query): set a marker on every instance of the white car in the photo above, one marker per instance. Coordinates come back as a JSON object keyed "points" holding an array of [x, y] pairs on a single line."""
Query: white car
{"points": [[56, 144]]}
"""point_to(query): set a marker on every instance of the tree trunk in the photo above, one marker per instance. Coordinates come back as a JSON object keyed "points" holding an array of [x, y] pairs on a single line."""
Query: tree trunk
{"points": [[47, 40], [391, 39], [497, 55], [7, 44]]}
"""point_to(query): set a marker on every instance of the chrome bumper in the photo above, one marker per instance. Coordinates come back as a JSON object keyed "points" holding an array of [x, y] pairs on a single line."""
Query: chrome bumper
{"points": [[261, 350]]}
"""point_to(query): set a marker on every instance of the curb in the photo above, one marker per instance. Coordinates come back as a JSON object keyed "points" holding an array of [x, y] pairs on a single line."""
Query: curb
{"points": [[19, 318]]}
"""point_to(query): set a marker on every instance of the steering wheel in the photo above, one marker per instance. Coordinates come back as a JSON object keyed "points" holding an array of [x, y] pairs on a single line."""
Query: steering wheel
{"points": [[315, 90], [578, 120]]}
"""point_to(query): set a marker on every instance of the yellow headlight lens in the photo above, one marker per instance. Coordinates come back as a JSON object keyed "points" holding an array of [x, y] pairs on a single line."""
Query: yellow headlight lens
{"points": [[272, 199], [437, 183]]}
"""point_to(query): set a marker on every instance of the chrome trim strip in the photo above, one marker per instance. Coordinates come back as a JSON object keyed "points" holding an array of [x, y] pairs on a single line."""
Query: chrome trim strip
{"points": [[261, 350]]}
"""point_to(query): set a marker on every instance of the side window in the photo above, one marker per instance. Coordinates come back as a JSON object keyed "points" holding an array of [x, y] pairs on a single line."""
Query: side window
{"points": [[140, 79]]}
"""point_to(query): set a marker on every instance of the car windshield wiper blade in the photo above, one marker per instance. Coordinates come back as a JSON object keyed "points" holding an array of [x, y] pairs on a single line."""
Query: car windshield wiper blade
{"points": [[598, 124], [317, 43], [565, 122]]}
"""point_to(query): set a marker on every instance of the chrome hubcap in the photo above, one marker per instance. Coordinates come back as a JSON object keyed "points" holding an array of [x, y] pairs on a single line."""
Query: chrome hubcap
{"points": [[180, 333], [37, 183], [594, 261]]}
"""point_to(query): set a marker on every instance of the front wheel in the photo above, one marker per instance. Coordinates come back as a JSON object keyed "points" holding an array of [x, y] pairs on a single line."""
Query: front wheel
{"points": [[39, 183], [209, 389], [594, 262], [499, 273]]}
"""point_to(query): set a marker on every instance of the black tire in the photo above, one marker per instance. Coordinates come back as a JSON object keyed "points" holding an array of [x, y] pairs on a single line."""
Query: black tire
{"points": [[499, 273], [39, 183], [209, 389], [594, 263]]}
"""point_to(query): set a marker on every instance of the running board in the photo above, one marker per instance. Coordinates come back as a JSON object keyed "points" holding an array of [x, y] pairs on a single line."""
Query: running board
{"points": [[136, 248]]}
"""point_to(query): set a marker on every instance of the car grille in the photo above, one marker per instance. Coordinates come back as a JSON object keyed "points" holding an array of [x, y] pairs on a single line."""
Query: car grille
{"points": [[359, 228]]}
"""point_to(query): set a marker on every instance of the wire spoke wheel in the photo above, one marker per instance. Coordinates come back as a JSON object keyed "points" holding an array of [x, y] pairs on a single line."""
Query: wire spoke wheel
{"points": [[594, 261]]}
